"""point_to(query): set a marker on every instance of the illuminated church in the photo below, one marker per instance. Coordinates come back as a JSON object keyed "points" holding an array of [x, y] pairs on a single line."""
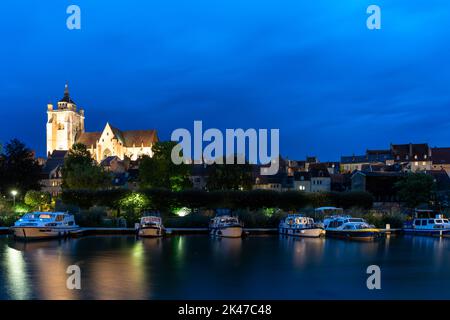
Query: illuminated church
{"points": [[65, 127]]}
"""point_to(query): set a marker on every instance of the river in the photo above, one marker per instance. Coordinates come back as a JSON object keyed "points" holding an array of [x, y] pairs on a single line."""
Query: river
{"points": [[200, 267]]}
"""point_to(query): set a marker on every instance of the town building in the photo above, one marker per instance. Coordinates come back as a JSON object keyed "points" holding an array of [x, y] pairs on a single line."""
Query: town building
{"points": [[51, 180], [277, 182], [302, 181], [320, 178], [352, 163], [66, 126], [440, 159], [414, 157], [411, 157]]}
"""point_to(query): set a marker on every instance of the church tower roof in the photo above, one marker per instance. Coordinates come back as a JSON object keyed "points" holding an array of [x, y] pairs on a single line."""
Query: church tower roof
{"points": [[66, 97]]}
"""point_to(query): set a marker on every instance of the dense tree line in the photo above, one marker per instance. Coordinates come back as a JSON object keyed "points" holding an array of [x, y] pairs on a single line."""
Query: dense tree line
{"points": [[163, 199]]}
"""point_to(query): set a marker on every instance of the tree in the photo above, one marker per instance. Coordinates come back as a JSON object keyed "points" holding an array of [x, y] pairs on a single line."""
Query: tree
{"points": [[37, 199], [18, 168], [415, 188], [230, 176], [78, 155], [81, 172], [160, 172]]}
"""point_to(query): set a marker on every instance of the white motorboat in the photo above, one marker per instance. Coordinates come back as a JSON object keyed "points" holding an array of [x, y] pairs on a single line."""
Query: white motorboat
{"points": [[41, 225], [226, 226], [151, 226], [350, 228], [301, 226], [437, 227]]}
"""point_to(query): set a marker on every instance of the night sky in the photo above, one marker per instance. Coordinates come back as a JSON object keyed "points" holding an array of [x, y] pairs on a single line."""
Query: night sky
{"points": [[310, 68]]}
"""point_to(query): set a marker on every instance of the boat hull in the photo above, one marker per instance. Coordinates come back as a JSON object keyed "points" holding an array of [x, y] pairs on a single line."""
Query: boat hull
{"points": [[427, 232], [150, 232], [35, 233], [228, 232], [363, 235], [305, 232]]}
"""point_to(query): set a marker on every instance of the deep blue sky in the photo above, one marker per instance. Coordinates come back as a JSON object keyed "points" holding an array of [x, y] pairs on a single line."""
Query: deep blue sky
{"points": [[310, 68]]}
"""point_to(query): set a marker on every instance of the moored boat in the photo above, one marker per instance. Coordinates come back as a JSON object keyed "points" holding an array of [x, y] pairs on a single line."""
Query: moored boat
{"points": [[151, 225], [347, 227], [436, 227], [226, 226], [43, 225], [301, 226]]}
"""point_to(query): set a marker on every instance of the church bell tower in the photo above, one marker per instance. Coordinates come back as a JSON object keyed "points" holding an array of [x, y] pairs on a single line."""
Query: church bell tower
{"points": [[64, 123]]}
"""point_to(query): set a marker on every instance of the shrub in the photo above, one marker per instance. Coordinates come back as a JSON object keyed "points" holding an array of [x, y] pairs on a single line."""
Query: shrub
{"points": [[195, 220], [90, 218], [8, 219]]}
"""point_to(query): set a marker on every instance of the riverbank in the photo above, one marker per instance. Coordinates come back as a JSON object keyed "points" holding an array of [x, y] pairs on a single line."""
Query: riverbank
{"points": [[175, 231]]}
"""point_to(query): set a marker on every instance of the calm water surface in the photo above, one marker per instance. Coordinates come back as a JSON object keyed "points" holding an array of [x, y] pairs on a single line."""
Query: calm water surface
{"points": [[199, 267]]}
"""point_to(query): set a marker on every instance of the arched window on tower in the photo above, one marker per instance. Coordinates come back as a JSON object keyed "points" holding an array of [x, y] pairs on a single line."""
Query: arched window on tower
{"points": [[60, 126]]}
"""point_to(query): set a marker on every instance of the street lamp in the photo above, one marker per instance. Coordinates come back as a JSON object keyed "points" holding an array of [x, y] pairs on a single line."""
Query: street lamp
{"points": [[14, 194]]}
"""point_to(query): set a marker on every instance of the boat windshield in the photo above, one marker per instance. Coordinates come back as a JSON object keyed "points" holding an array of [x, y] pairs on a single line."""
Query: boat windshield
{"points": [[150, 219], [42, 216], [356, 220], [229, 220]]}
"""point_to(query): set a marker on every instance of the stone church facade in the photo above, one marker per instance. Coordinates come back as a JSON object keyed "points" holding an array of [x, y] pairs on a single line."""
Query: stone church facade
{"points": [[65, 127]]}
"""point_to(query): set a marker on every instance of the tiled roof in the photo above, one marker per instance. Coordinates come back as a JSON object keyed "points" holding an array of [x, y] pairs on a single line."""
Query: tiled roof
{"points": [[55, 160], [440, 155], [128, 138], [409, 151], [118, 134], [139, 137], [318, 170], [107, 161], [89, 138], [302, 176], [354, 159]]}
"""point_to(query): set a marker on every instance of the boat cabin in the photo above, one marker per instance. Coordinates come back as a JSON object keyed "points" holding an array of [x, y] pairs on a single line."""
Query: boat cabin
{"points": [[224, 221], [150, 221], [298, 220], [349, 222], [436, 223], [48, 219]]}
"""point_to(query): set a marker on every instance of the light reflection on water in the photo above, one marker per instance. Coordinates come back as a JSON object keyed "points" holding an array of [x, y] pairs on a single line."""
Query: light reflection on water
{"points": [[200, 267]]}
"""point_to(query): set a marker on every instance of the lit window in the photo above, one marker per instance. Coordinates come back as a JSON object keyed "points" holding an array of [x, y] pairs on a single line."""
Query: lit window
{"points": [[416, 163], [424, 163]]}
